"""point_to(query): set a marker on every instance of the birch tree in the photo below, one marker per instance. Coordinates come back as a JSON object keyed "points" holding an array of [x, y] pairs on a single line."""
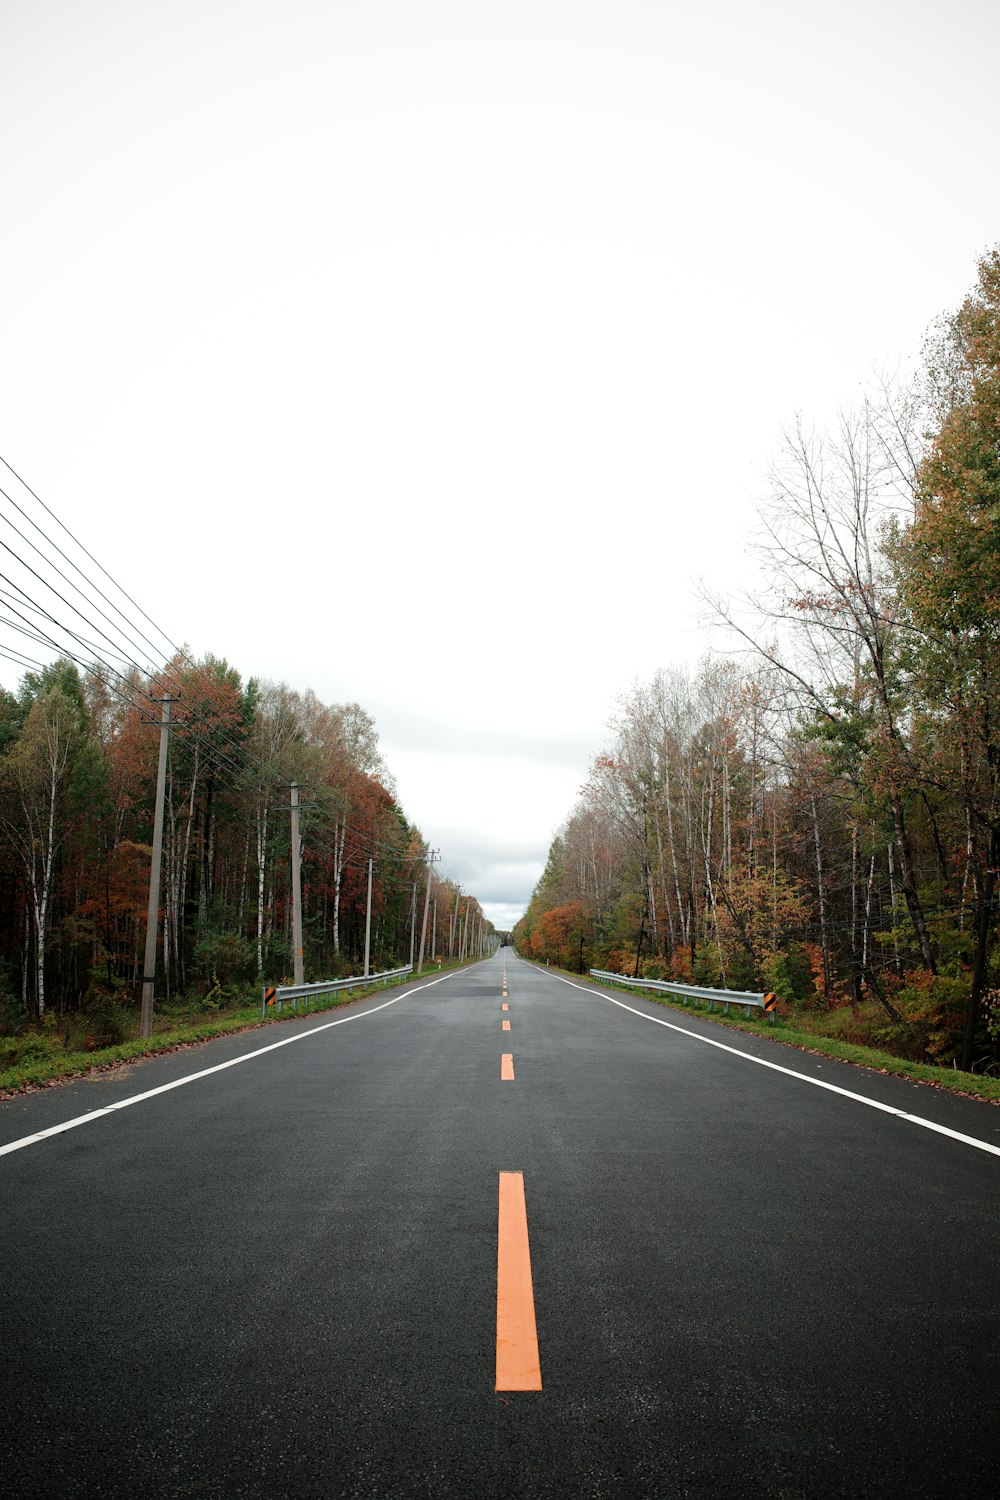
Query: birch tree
{"points": [[35, 770], [275, 730], [829, 622]]}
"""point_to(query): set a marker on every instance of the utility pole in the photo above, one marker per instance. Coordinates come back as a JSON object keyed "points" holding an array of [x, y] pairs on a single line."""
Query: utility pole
{"points": [[432, 858], [413, 921], [434, 929], [368, 918], [152, 915], [297, 967], [453, 940]]}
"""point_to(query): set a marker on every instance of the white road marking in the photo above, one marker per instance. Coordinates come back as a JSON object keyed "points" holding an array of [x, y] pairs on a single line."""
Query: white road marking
{"points": [[886, 1109], [164, 1088]]}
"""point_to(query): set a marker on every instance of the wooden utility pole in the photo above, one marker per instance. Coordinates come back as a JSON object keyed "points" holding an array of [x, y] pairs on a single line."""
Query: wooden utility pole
{"points": [[153, 912], [413, 922], [453, 936], [432, 859], [297, 965], [368, 919]]}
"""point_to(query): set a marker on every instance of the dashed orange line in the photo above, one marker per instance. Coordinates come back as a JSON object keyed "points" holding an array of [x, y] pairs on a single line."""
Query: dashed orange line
{"points": [[518, 1367], [507, 1067], [504, 1006], [505, 1025]]}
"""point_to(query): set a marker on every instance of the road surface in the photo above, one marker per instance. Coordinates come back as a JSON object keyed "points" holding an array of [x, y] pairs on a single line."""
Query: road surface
{"points": [[280, 1278]]}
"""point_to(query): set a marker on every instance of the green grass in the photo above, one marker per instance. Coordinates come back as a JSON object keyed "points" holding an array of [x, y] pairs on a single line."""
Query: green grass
{"points": [[40, 1059], [953, 1079]]}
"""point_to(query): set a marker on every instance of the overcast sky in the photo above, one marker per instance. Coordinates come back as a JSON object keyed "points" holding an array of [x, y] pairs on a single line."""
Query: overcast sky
{"points": [[426, 354]]}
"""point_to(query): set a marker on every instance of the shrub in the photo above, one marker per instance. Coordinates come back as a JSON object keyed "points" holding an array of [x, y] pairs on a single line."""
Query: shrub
{"points": [[706, 969], [790, 976], [680, 966], [226, 959], [105, 1023], [30, 1046], [741, 972], [933, 1008]]}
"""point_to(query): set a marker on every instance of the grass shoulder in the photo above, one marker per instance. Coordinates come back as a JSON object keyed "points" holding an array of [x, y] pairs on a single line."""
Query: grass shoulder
{"points": [[44, 1057]]}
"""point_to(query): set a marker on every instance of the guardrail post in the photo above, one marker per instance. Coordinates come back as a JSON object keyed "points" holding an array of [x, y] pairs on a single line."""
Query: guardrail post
{"points": [[309, 992], [688, 994]]}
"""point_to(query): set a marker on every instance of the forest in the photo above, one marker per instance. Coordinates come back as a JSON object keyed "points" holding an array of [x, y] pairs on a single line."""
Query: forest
{"points": [[79, 749], [814, 811]]}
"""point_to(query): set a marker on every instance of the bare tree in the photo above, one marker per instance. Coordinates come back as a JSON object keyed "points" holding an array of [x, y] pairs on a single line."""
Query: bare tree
{"points": [[36, 769], [828, 622]]}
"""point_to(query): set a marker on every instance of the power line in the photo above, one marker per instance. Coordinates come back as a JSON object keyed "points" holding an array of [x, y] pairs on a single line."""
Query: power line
{"points": [[225, 745], [185, 718], [59, 571], [90, 555]]}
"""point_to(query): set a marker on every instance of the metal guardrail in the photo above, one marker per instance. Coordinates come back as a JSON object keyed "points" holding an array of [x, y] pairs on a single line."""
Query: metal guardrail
{"points": [[278, 994], [749, 999]]}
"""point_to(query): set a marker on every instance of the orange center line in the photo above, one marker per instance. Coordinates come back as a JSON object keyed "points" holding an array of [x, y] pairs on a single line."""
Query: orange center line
{"points": [[518, 1365], [504, 1006], [507, 1067], [505, 1025]]}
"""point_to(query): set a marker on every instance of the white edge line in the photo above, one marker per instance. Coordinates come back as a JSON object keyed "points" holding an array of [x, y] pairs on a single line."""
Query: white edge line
{"points": [[819, 1083], [164, 1088]]}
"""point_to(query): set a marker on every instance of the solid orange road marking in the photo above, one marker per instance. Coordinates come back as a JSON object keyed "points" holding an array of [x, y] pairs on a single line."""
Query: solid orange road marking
{"points": [[507, 1067], [504, 1006], [518, 1366], [505, 1025]]}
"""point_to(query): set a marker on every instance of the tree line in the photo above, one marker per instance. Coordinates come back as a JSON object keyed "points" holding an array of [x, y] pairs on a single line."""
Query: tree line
{"points": [[817, 812], [78, 765]]}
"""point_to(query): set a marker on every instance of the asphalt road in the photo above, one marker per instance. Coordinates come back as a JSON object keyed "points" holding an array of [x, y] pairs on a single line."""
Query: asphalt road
{"points": [[280, 1279]]}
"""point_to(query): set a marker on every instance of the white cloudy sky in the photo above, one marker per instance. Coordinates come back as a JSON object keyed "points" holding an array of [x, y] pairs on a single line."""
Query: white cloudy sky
{"points": [[427, 353]]}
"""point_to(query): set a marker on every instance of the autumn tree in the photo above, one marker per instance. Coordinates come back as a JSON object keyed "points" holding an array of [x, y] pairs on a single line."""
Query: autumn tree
{"points": [[829, 622], [44, 773], [949, 576]]}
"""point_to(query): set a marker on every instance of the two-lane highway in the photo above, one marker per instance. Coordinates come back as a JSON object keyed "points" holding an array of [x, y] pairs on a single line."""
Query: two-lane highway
{"points": [[300, 1273]]}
